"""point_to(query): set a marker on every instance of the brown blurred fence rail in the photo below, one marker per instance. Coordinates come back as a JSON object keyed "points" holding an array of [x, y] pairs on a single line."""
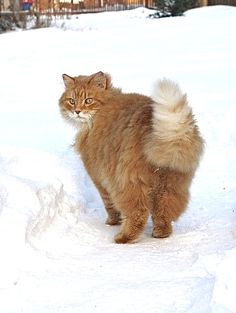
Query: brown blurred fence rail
{"points": [[84, 6], [220, 2], [62, 6], [20, 10]]}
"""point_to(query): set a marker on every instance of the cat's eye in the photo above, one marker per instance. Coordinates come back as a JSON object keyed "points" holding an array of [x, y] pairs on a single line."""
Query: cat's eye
{"points": [[72, 101], [88, 101]]}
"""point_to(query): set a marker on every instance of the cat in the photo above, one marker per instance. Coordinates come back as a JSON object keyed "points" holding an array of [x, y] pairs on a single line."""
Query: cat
{"points": [[141, 152]]}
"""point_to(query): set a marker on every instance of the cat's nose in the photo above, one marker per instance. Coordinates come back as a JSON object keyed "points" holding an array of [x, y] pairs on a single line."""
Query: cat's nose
{"points": [[77, 112]]}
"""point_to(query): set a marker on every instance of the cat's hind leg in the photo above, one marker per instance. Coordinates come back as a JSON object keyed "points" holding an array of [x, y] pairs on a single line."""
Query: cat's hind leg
{"points": [[134, 208], [170, 200]]}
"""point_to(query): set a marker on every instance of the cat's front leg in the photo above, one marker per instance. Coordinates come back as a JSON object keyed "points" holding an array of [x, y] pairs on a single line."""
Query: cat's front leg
{"points": [[135, 212], [114, 216]]}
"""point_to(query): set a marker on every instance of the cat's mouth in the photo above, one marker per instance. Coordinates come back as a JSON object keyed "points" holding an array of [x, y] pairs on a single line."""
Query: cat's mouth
{"points": [[82, 119]]}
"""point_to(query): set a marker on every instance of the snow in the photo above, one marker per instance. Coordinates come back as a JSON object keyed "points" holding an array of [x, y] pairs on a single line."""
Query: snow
{"points": [[57, 255]]}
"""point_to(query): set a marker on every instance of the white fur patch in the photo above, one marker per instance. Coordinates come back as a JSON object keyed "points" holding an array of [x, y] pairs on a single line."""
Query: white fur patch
{"points": [[84, 116], [167, 92], [72, 115], [171, 112], [78, 119]]}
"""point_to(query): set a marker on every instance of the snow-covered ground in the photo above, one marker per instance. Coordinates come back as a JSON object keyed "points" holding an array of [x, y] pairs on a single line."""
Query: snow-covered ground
{"points": [[57, 255]]}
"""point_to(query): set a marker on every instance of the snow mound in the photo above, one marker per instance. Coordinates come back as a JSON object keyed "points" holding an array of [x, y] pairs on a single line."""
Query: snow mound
{"points": [[212, 12], [36, 194], [102, 21], [54, 205], [61, 224]]}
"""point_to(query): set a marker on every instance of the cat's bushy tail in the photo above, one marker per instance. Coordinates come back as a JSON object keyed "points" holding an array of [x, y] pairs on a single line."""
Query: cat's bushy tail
{"points": [[175, 141]]}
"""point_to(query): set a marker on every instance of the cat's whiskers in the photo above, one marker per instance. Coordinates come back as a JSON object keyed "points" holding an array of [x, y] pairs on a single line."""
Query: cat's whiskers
{"points": [[72, 117]]}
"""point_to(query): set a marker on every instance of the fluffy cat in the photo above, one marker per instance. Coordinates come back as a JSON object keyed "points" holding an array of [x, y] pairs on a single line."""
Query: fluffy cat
{"points": [[140, 152]]}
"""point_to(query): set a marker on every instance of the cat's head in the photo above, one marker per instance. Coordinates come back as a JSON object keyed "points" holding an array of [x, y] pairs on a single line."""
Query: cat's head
{"points": [[83, 97]]}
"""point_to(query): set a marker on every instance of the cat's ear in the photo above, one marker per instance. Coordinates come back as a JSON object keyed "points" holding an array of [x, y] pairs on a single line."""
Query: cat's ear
{"points": [[68, 81], [100, 80]]}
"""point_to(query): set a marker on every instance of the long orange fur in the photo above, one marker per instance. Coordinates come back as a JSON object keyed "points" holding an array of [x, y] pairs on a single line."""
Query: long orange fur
{"points": [[141, 152]]}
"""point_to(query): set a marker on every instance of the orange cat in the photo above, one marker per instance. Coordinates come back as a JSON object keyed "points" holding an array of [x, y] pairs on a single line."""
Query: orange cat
{"points": [[140, 152]]}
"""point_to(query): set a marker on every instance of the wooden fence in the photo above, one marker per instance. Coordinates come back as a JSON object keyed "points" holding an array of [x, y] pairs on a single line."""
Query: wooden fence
{"points": [[220, 2], [80, 6], [20, 9]]}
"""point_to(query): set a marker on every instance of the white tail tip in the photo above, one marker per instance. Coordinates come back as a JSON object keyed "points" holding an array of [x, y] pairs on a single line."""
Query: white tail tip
{"points": [[167, 92]]}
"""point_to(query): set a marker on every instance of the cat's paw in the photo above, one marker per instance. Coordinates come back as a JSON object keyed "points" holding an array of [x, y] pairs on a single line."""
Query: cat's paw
{"points": [[162, 231], [123, 238]]}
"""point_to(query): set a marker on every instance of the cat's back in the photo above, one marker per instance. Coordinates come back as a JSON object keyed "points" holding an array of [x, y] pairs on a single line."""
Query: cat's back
{"points": [[126, 110], [121, 124]]}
